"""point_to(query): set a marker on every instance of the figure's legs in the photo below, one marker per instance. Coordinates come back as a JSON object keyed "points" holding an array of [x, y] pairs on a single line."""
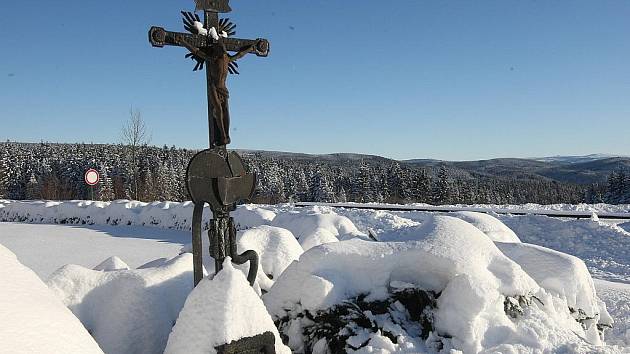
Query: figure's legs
{"points": [[217, 114], [226, 121]]}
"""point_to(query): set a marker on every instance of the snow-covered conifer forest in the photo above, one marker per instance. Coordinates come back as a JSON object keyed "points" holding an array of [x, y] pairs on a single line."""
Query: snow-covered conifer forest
{"points": [[55, 172], [115, 275]]}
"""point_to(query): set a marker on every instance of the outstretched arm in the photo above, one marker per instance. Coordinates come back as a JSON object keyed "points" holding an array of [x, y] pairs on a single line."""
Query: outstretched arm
{"points": [[243, 52], [194, 50]]}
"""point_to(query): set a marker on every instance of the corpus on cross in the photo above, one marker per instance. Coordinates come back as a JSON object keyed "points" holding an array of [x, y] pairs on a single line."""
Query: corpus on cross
{"points": [[209, 44]]}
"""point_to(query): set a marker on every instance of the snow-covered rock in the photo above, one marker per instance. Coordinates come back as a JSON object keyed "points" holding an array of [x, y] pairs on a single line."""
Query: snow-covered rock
{"points": [[32, 319], [489, 225], [220, 311], [126, 311], [442, 255], [111, 264], [482, 300]]}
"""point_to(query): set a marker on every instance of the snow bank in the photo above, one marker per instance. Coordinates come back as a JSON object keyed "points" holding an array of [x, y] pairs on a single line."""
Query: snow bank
{"points": [[33, 319], [308, 221], [168, 215], [126, 311], [603, 247], [220, 311], [489, 225]]}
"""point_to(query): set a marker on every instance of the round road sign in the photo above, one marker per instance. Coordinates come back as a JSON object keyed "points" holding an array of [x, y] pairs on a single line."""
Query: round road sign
{"points": [[92, 177]]}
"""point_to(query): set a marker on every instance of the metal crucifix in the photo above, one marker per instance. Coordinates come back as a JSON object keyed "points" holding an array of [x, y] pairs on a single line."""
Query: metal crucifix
{"points": [[215, 176], [209, 44]]}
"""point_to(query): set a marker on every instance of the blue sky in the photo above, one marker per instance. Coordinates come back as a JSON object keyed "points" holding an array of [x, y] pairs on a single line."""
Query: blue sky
{"points": [[455, 80]]}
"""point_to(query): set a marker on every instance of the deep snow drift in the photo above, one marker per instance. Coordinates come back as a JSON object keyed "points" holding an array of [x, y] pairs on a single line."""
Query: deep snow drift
{"points": [[33, 319], [430, 283]]}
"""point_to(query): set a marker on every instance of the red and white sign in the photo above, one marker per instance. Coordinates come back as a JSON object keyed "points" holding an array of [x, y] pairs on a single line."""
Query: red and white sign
{"points": [[92, 177]]}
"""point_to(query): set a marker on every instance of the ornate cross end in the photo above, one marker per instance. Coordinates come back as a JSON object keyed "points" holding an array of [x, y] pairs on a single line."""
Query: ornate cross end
{"points": [[219, 6]]}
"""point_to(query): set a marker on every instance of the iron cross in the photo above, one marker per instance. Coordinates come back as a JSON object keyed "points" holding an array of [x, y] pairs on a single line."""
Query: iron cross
{"points": [[209, 43]]}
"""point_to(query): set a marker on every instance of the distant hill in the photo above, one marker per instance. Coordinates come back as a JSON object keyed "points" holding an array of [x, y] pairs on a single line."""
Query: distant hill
{"points": [[587, 169], [580, 170]]}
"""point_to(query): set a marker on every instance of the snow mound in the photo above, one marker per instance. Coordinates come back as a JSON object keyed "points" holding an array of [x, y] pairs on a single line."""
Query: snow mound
{"points": [[126, 311], [379, 221], [310, 220], [220, 311], [319, 237], [489, 225], [250, 215], [559, 273], [277, 248], [33, 319], [111, 264]]}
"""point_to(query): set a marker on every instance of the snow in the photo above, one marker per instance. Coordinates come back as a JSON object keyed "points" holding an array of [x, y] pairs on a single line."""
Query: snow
{"points": [[561, 274], [489, 225], [111, 264], [319, 237], [126, 311], [33, 318], [166, 215], [202, 30], [303, 223], [45, 248], [559, 210], [444, 255], [605, 248], [249, 215], [213, 33], [276, 249], [220, 311], [617, 299], [130, 283]]}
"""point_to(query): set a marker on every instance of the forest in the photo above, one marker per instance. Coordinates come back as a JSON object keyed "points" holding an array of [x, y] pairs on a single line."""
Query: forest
{"points": [[56, 172]]}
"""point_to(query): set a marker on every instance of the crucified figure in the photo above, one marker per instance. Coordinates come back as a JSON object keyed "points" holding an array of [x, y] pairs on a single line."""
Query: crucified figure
{"points": [[218, 62]]}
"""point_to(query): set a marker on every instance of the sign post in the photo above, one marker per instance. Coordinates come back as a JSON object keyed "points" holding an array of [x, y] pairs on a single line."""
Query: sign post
{"points": [[92, 178]]}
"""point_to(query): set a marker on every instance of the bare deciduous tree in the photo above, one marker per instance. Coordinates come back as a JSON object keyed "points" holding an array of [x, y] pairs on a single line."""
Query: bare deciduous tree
{"points": [[135, 135]]}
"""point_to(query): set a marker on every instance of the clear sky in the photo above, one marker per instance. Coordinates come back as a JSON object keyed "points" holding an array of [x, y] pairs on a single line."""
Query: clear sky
{"points": [[454, 80]]}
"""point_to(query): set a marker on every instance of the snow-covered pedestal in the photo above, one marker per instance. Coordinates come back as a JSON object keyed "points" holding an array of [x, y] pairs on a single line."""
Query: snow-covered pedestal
{"points": [[221, 311]]}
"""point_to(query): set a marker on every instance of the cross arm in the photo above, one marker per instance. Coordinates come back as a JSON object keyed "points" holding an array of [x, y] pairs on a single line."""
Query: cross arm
{"points": [[260, 47], [159, 37]]}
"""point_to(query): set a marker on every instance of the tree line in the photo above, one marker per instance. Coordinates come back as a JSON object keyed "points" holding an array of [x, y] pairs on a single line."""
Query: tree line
{"points": [[148, 173]]}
